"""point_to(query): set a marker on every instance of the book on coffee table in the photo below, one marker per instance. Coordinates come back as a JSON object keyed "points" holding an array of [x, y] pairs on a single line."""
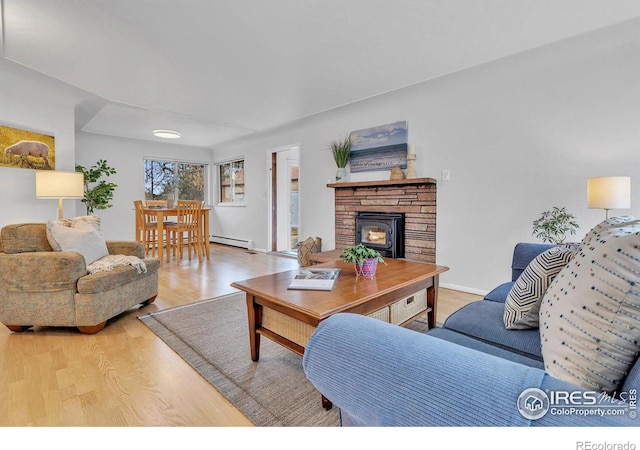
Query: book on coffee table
{"points": [[315, 279]]}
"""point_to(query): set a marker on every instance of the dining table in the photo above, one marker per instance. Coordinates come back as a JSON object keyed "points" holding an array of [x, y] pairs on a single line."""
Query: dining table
{"points": [[163, 214]]}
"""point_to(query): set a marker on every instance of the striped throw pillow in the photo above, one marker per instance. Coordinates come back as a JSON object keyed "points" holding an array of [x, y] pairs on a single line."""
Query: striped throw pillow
{"points": [[522, 306]]}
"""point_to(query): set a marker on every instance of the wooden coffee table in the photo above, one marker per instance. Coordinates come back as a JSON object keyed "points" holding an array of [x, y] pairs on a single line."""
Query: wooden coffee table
{"points": [[400, 291]]}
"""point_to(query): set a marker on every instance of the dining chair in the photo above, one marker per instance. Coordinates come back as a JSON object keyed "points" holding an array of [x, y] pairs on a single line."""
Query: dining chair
{"points": [[146, 229], [158, 204], [187, 231]]}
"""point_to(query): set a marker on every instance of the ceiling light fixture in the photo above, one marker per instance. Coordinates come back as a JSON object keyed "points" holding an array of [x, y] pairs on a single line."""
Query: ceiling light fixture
{"points": [[167, 134]]}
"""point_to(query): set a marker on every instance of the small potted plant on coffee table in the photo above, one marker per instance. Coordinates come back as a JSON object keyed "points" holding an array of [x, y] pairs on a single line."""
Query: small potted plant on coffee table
{"points": [[365, 259]]}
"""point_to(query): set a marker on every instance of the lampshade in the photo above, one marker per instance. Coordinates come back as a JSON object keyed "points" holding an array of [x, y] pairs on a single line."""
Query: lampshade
{"points": [[59, 184], [609, 193]]}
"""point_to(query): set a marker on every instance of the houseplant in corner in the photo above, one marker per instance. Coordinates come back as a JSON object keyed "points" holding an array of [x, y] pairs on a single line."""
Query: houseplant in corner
{"points": [[99, 195], [553, 225], [365, 259], [341, 149]]}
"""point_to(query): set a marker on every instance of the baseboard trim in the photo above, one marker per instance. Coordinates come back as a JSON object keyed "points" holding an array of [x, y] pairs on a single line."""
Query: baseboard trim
{"points": [[469, 290], [242, 243]]}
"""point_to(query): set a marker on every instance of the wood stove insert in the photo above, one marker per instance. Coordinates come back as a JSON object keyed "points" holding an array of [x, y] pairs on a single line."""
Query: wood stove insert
{"points": [[381, 231]]}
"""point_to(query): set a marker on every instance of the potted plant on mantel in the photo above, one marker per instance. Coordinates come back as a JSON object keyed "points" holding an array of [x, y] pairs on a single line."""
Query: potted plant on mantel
{"points": [[341, 149], [365, 259]]}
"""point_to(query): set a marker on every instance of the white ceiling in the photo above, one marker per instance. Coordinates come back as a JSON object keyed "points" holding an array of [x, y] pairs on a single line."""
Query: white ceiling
{"points": [[215, 70]]}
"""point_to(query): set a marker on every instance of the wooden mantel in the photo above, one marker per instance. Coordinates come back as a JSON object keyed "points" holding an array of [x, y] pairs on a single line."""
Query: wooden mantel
{"points": [[375, 183], [415, 198]]}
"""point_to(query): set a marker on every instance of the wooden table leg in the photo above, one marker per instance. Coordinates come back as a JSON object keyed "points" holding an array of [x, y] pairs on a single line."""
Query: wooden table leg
{"points": [[326, 403], [205, 238], [160, 216], [198, 242], [254, 315], [432, 301]]}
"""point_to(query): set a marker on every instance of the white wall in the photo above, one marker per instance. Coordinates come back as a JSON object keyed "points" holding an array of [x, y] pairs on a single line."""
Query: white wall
{"points": [[34, 102], [126, 156], [519, 135]]}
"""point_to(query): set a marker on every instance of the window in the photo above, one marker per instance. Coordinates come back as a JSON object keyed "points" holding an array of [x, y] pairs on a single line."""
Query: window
{"points": [[231, 182], [183, 180]]}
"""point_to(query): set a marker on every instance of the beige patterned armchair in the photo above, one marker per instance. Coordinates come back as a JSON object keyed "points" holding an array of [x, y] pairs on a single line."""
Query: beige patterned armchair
{"points": [[42, 287]]}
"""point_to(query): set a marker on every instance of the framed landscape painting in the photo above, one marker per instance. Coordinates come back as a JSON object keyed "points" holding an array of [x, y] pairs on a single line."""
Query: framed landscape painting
{"points": [[379, 148], [26, 149]]}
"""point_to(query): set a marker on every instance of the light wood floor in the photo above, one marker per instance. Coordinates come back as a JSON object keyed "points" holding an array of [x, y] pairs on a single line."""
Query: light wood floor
{"points": [[125, 375]]}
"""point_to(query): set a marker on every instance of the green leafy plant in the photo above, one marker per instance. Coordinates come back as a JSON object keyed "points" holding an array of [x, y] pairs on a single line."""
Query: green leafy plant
{"points": [[341, 149], [97, 196], [553, 225], [359, 253]]}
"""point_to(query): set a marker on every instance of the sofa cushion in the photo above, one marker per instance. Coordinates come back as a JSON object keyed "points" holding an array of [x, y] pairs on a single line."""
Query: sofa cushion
{"points": [[589, 317], [522, 305], [83, 238], [500, 293], [92, 220], [461, 339], [482, 320]]}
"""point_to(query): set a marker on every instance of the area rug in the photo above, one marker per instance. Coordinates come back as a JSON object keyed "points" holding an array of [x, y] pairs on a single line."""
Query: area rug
{"points": [[212, 336]]}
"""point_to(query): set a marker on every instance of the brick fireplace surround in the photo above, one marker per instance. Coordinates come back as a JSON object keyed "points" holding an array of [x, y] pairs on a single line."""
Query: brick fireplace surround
{"points": [[414, 197]]}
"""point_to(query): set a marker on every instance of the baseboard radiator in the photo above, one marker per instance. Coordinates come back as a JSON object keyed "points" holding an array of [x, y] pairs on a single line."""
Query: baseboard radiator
{"points": [[242, 243]]}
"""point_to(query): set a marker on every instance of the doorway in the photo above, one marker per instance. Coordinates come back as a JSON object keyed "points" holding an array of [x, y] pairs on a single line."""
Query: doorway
{"points": [[285, 182]]}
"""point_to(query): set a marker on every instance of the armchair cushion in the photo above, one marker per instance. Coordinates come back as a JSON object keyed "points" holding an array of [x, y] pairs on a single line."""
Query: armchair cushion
{"points": [[106, 280], [82, 238]]}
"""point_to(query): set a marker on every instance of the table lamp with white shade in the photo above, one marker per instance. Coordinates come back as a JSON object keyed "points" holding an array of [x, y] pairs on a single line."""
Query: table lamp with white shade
{"points": [[609, 193], [60, 185]]}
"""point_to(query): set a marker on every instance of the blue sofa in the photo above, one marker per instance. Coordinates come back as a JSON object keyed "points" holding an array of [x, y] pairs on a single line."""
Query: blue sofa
{"points": [[471, 371]]}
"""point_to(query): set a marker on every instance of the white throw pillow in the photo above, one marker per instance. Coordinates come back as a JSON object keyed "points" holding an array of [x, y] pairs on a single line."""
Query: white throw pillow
{"points": [[522, 306], [590, 315], [92, 220], [83, 238]]}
